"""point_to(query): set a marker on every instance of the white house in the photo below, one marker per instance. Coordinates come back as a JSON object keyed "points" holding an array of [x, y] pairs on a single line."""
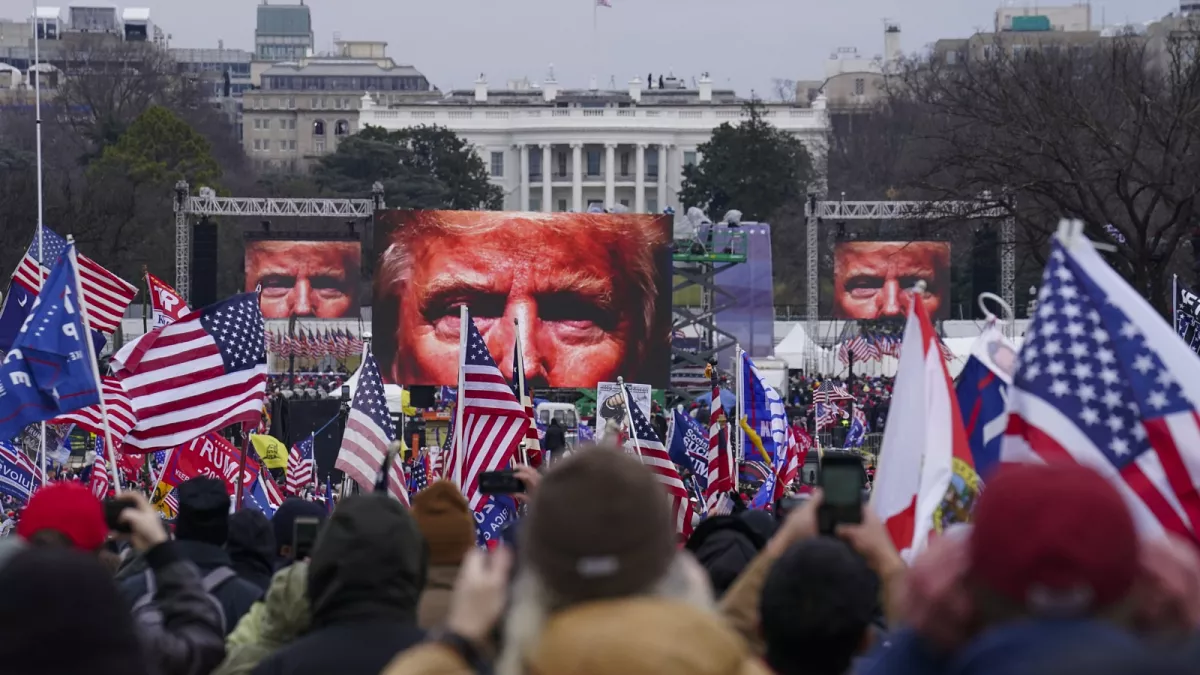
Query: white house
{"points": [[553, 149]]}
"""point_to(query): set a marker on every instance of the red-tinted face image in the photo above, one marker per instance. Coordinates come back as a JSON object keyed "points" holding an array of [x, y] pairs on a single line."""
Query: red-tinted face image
{"points": [[305, 278], [586, 291], [874, 279]]}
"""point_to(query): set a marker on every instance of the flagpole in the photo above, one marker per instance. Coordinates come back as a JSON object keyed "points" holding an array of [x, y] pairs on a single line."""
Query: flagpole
{"points": [[312, 441], [739, 406], [1175, 303], [464, 316], [91, 351], [629, 414], [519, 361], [37, 107]]}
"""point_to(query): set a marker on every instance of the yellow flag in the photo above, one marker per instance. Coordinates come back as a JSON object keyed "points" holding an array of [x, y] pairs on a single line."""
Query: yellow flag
{"points": [[159, 500], [270, 450]]}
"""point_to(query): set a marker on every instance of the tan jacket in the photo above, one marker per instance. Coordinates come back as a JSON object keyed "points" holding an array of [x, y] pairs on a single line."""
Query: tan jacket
{"points": [[435, 598], [615, 637]]}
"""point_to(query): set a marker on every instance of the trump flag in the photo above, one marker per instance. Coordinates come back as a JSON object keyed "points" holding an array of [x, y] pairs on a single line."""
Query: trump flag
{"points": [[49, 370]]}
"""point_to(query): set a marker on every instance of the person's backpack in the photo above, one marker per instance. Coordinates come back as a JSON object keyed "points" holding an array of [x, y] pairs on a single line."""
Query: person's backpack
{"points": [[146, 612]]}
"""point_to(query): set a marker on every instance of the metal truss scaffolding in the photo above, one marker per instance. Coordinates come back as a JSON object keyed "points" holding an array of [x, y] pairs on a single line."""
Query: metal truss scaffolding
{"points": [[817, 211], [697, 262], [207, 203]]}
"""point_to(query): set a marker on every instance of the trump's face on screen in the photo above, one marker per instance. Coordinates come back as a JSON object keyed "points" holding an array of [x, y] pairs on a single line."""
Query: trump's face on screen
{"points": [[874, 279], [582, 290], [304, 278]]}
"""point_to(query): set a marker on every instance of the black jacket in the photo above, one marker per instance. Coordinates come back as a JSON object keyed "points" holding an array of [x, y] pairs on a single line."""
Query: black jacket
{"points": [[189, 640], [251, 547], [724, 546], [556, 438], [364, 579], [236, 595]]}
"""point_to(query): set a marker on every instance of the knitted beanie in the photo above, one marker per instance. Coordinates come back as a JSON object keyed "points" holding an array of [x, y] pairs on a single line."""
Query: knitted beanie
{"points": [[599, 527], [445, 518]]}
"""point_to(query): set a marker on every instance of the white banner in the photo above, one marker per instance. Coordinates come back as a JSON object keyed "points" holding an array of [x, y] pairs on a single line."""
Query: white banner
{"points": [[610, 406]]}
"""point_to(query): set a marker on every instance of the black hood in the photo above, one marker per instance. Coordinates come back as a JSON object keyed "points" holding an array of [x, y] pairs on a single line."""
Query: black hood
{"points": [[370, 561], [724, 546], [251, 546]]}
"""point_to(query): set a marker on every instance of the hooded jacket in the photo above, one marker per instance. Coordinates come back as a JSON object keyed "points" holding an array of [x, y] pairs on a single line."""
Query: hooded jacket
{"points": [[271, 624], [725, 546], [251, 547], [364, 581]]}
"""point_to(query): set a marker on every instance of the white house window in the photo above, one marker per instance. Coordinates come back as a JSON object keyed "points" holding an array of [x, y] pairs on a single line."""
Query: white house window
{"points": [[689, 158], [498, 164], [860, 86], [319, 128], [341, 128]]}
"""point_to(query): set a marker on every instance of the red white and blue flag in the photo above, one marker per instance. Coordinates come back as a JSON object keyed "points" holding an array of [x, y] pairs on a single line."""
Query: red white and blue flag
{"points": [[494, 422], [720, 469], [99, 481], [299, 470], [369, 433], [1105, 382], [197, 375], [105, 295], [650, 450]]}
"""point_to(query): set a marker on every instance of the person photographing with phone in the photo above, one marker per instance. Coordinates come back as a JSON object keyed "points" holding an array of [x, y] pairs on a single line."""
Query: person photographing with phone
{"points": [[183, 637]]}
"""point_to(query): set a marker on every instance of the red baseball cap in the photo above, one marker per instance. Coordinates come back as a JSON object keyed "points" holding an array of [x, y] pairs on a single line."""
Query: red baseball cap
{"points": [[69, 508], [1056, 539]]}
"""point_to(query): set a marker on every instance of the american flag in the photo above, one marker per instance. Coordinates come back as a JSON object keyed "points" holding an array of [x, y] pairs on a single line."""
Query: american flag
{"points": [[300, 466], [1094, 387], [493, 421], [720, 474], [603, 3], [197, 375], [828, 414], [369, 433], [521, 388], [99, 480], [420, 474], [121, 418], [862, 348], [172, 501], [830, 392], [652, 453], [105, 295], [438, 456]]}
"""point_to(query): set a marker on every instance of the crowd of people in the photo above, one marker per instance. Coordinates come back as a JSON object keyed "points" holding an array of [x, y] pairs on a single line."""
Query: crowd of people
{"points": [[592, 579]]}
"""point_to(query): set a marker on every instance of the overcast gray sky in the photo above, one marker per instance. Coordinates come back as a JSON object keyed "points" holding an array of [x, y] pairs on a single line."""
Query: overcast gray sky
{"points": [[744, 44]]}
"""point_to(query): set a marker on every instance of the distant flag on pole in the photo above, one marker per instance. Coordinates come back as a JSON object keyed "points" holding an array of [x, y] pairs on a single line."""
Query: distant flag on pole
{"points": [[603, 3], [105, 295], [166, 304]]}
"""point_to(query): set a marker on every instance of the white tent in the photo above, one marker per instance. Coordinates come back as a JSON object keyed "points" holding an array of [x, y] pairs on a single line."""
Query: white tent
{"points": [[796, 348], [392, 392]]}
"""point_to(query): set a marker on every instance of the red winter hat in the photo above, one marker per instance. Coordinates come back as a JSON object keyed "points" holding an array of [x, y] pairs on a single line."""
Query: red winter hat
{"points": [[69, 508], [1056, 539]]}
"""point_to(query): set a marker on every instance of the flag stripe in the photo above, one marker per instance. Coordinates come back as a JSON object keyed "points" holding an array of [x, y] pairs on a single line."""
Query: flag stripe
{"points": [[196, 375]]}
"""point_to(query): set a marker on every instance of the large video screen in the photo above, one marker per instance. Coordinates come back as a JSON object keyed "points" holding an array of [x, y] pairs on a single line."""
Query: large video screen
{"points": [[874, 279], [305, 278], [592, 292]]}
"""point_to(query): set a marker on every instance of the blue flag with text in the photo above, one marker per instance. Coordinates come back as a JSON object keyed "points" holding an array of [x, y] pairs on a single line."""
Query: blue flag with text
{"points": [[48, 372]]}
